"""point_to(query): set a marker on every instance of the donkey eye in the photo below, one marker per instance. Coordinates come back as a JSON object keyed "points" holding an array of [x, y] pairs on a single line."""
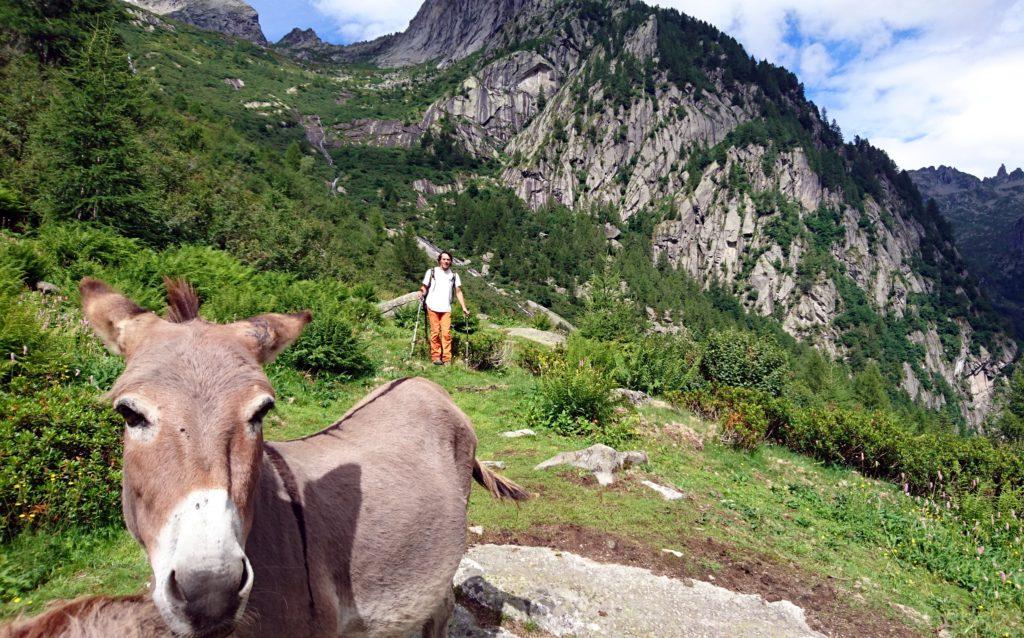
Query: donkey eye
{"points": [[256, 421], [131, 417]]}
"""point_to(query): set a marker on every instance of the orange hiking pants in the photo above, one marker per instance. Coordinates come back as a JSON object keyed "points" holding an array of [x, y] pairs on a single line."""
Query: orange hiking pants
{"points": [[440, 335]]}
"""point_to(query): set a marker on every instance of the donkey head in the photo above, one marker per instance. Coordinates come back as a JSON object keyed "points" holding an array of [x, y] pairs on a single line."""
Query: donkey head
{"points": [[193, 395]]}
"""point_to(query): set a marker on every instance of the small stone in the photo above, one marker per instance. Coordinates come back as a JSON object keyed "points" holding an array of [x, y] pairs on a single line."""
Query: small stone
{"points": [[667, 493], [912, 614], [497, 465], [515, 434], [477, 529], [47, 288], [635, 398], [673, 552]]}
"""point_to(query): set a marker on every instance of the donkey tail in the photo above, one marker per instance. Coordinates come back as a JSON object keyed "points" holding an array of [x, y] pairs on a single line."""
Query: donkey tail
{"points": [[497, 485]]}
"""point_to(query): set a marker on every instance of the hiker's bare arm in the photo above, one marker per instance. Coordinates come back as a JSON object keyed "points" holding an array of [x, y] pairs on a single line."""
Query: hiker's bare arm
{"points": [[462, 300]]}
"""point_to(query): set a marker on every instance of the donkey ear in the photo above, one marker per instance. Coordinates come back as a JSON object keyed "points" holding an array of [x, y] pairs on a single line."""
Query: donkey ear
{"points": [[117, 320], [271, 333]]}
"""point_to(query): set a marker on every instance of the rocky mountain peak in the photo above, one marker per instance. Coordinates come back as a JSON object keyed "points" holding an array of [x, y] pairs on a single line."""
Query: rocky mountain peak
{"points": [[230, 17], [300, 39], [1004, 177]]}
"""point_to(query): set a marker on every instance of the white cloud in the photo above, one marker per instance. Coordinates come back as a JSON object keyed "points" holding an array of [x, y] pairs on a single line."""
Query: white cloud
{"points": [[931, 83], [359, 20], [815, 63]]}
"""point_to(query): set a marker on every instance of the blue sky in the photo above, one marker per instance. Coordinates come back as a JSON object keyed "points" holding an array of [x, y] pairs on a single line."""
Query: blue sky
{"points": [[930, 82]]}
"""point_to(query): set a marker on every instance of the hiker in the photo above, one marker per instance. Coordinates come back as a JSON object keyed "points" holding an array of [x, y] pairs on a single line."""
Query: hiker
{"points": [[439, 285]]}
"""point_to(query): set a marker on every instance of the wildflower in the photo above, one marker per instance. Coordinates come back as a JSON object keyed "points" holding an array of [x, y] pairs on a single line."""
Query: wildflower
{"points": [[981, 550]]}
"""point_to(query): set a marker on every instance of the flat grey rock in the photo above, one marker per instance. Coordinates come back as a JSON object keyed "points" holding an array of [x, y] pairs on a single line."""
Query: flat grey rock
{"points": [[568, 595], [600, 459]]}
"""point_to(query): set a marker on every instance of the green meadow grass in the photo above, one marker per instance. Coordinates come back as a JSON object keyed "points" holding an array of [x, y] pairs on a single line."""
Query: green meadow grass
{"points": [[782, 507]]}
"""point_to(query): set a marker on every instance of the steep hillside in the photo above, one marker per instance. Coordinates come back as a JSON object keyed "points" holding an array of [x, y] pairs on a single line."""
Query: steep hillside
{"points": [[669, 124], [987, 216]]}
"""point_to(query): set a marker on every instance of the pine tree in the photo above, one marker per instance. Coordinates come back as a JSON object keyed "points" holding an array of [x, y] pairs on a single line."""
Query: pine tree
{"points": [[54, 29], [407, 257], [293, 155], [85, 144], [869, 388]]}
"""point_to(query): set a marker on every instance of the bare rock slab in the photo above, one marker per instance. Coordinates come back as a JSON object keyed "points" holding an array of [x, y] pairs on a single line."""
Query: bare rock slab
{"points": [[600, 459], [667, 493], [568, 595]]}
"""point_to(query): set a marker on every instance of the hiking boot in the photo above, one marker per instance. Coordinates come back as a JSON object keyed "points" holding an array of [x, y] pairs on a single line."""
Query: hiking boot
{"points": [[439, 363]]}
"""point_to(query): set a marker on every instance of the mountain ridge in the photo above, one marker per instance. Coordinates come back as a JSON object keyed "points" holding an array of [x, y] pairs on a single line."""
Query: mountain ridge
{"points": [[987, 215]]}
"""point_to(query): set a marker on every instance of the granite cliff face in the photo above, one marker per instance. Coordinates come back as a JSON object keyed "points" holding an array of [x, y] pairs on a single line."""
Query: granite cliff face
{"points": [[230, 17], [648, 113], [987, 216], [445, 30]]}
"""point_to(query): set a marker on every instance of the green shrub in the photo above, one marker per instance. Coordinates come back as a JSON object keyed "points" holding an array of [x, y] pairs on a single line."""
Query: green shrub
{"points": [[574, 400], [483, 350], [76, 248], [532, 357], [23, 259], [36, 339], [541, 321], [746, 426], [329, 345], [748, 417], [744, 360], [662, 363], [61, 455], [602, 356]]}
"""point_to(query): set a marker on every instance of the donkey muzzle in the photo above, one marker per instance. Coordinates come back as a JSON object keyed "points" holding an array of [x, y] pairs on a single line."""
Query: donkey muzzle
{"points": [[211, 599], [202, 577]]}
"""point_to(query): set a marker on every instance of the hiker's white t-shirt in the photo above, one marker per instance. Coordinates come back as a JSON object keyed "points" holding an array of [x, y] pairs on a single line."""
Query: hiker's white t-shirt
{"points": [[439, 295]]}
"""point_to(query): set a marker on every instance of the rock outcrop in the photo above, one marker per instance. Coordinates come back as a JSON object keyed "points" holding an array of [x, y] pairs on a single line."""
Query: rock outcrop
{"points": [[567, 595], [446, 30], [230, 17]]}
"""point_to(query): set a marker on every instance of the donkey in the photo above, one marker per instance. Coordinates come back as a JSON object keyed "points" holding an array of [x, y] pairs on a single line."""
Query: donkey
{"points": [[93, 617], [354, 531]]}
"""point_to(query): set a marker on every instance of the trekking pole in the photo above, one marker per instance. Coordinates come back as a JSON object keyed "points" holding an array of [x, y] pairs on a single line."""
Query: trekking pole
{"points": [[416, 327]]}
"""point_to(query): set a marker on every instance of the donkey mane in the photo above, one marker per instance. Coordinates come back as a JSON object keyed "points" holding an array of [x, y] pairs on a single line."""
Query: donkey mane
{"points": [[182, 300]]}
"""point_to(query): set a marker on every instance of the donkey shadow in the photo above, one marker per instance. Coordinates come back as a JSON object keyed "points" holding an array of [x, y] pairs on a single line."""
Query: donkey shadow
{"points": [[290, 566], [486, 602]]}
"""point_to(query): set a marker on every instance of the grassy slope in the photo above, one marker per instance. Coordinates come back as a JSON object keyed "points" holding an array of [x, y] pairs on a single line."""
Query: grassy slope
{"points": [[773, 508]]}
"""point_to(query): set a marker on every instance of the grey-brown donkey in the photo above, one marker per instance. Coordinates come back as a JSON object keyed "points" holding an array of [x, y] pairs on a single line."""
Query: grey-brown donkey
{"points": [[354, 531]]}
